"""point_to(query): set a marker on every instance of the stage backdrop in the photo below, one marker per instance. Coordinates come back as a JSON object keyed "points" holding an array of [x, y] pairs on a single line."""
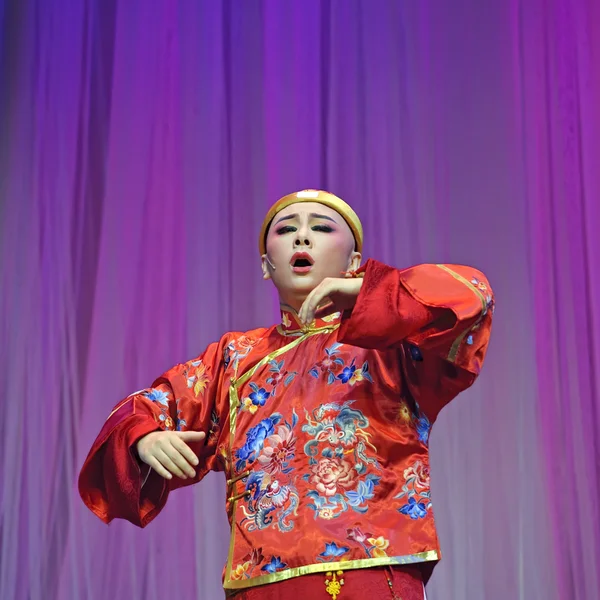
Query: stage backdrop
{"points": [[141, 142]]}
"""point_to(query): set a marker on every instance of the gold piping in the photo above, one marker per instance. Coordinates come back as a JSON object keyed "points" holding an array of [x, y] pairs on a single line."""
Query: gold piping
{"points": [[238, 477], [458, 341], [238, 496], [364, 563]]}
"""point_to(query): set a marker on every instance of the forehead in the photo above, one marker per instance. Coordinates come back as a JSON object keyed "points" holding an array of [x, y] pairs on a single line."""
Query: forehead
{"points": [[306, 208]]}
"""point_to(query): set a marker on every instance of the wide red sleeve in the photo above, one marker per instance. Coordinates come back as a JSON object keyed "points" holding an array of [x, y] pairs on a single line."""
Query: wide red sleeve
{"points": [[113, 482], [439, 319]]}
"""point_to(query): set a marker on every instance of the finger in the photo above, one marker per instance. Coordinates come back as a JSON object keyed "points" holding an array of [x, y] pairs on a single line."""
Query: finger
{"points": [[191, 436], [185, 450], [313, 299], [167, 463], [326, 310], [321, 293], [153, 462], [173, 453]]}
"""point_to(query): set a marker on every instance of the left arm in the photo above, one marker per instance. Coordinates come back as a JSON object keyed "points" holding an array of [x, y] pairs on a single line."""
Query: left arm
{"points": [[438, 317]]}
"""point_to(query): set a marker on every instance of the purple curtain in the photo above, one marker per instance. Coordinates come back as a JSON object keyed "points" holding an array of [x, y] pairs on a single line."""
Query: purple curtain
{"points": [[141, 143]]}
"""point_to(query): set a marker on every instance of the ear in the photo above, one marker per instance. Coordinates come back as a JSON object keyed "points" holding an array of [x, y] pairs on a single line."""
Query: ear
{"points": [[355, 259], [265, 267]]}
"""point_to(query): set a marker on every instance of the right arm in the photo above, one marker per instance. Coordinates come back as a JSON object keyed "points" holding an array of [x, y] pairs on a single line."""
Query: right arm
{"points": [[146, 437]]}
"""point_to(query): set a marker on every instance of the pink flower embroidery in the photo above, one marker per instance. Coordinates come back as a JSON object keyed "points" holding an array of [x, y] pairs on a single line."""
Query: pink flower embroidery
{"points": [[331, 473], [279, 448], [420, 473]]}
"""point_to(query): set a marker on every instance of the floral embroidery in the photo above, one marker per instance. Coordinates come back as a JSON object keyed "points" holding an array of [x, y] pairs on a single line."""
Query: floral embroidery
{"points": [[331, 318], [257, 398], [286, 320], [274, 565], [237, 350], [260, 395], [416, 419], [416, 491], [255, 440], [157, 395], [423, 428], [373, 546], [162, 399], [352, 375], [278, 450], [246, 567], [338, 460], [328, 364], [215, 424], [332, 363], [197, 377], [405, 414], [332, 550], [271, 495], [489, 299], [279, 375], [180, 423], [241, 571], [380, 545]]}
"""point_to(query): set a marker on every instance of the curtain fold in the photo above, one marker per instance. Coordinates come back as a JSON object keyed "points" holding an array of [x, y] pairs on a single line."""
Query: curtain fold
{"points": [[141, 143]]}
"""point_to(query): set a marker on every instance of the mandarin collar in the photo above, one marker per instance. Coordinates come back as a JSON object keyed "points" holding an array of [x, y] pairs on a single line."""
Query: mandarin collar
{"points": [[290, 323]]}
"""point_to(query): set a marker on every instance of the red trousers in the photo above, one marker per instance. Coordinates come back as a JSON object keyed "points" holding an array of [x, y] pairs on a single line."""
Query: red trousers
{"points": [[395, 583]]}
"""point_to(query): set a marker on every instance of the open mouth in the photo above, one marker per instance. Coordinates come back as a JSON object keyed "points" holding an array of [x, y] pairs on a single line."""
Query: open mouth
{"points": [[301, 262]]}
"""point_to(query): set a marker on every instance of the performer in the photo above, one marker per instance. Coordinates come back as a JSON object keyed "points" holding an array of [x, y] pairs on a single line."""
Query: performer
{"points": [[321, 423]]}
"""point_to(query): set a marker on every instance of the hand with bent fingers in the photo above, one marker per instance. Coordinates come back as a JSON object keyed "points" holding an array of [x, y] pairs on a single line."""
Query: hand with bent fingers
{"points": [[338, 293], [168, 453]]}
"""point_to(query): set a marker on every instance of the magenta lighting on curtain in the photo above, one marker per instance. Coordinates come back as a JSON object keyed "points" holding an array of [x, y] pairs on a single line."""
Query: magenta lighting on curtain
{"points": [[141, 142]]}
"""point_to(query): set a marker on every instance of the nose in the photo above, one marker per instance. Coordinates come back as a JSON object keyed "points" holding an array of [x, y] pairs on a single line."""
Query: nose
{"points": [[302, 241], [303, 238]]}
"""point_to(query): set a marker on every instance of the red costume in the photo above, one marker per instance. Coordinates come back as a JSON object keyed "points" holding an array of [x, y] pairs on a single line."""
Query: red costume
{"points": [[322, 432]]}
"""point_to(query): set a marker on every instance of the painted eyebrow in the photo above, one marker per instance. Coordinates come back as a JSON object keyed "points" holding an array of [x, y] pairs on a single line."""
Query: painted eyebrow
{"points": [[312, 216]]}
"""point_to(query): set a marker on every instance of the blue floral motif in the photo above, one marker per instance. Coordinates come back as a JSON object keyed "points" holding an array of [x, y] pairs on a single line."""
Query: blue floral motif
{"points": [[347, 373], [180, 423], [364, 491], [157, 395], [259, 396], [415, 510], [271, 497], [332, 362], [423, 427], [274, 564], [332, 550], [416, 491], [255, 439]]}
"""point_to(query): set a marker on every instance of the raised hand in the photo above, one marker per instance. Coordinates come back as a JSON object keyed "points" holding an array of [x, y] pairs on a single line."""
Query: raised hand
{"points": [[168, 453], [337, 293]]}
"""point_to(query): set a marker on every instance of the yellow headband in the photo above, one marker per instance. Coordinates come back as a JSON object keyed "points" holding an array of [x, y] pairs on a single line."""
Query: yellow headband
{"points": [[321, 197]]}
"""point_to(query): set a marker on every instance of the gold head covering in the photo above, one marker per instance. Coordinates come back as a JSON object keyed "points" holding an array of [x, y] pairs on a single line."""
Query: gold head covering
{"points": [[321, 197]]}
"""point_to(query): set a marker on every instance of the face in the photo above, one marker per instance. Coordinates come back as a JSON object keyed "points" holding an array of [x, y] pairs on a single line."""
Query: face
{"points": [[306, 243]]}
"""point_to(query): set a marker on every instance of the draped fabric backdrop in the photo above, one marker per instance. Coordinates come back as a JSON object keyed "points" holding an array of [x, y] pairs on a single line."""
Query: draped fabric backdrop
{"points": [[141, 142]]}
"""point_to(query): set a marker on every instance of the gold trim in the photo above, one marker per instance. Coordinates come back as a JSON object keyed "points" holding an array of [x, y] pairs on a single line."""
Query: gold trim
{"points": [[231, 548], [363, 563], [238, 496], [321, 197], [458, 341], [235, 384], [238, 477], [466, 282]]}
